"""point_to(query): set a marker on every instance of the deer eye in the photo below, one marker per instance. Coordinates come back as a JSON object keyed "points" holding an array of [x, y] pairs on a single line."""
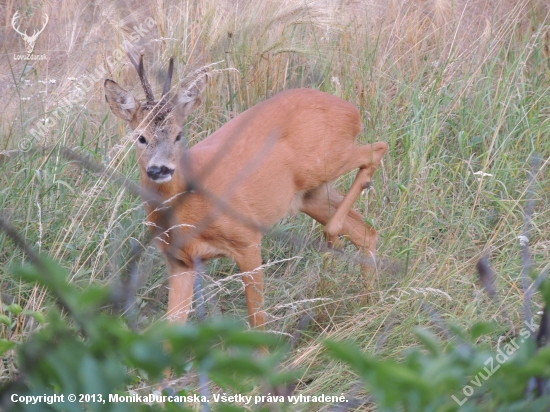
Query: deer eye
{"points": [[178, 137], [142, 140]]}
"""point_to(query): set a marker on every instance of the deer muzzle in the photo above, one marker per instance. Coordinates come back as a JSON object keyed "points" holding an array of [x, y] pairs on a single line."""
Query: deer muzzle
{"points": [[160, 174]]}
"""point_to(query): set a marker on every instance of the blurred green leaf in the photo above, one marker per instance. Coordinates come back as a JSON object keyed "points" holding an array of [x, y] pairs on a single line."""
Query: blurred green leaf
{"points": [[482, 328], [5, 320], [428, 339], [39, 317], [6, 345], [402, 188], [14, 308]]}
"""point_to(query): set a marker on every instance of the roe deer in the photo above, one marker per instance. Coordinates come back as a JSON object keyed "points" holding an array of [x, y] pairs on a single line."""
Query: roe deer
{"points": [[275, 158]]}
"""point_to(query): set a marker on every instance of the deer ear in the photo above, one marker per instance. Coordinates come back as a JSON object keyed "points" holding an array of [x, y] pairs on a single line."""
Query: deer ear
{"points": [[187, 100], [122, 103]]}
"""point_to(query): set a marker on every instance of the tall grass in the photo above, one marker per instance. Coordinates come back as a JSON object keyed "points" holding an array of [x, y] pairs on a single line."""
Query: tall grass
{"points": [[454, 87]]}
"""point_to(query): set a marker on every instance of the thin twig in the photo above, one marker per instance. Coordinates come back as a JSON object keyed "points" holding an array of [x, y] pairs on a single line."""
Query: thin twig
{"points": [[524, 240], [201, 317], [199, 295], [487, 279]]}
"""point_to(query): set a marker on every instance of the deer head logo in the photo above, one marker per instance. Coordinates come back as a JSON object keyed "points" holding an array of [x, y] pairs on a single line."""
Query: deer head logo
{"points": [[30, 40]]}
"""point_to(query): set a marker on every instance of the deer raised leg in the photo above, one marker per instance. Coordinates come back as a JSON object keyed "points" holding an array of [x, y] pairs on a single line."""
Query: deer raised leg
{"points": [[321, 204], [367, 158]]}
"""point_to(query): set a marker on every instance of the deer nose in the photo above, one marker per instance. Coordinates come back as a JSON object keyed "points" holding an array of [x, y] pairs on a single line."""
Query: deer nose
{"points": [[156, 172]]}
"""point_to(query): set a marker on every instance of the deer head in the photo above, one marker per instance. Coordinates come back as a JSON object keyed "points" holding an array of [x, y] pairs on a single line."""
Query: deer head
{"points": [[30, 40], [157, 123]]}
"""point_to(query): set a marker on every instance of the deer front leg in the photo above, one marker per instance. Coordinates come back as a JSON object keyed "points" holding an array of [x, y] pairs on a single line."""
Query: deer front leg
{"points": [[250, 263], [181, 279]]}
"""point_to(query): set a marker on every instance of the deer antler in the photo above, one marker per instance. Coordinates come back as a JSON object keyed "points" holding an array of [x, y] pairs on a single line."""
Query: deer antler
{"points": [[144, 82], [14, 19], [166, 88], [37, 32]]}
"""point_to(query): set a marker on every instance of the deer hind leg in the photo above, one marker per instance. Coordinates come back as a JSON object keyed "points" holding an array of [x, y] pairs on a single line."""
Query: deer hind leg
{"points": [[249, 261], [321, 205], [367, 158]]}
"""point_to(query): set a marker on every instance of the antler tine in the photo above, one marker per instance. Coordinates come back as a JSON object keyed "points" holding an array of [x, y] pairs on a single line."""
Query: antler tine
{"points": [[14, 19], [166, 88], [144, 82], [132, 60]]}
